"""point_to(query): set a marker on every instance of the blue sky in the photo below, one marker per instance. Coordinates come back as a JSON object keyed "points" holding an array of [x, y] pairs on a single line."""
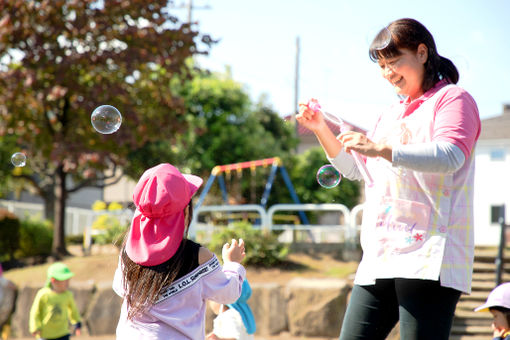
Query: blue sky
{"points": [[258, 42]]}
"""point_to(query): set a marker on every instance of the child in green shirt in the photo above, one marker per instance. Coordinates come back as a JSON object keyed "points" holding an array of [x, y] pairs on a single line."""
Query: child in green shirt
{"points": [[54, 307]]}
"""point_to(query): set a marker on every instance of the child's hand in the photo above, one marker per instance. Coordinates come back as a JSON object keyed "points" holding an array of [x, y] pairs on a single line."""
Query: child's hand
{"points": [[211, 336], [77, 331], [233, 252]]}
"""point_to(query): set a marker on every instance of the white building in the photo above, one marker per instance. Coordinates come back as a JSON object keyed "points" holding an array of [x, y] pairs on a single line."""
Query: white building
{"points": [[492, 178]]}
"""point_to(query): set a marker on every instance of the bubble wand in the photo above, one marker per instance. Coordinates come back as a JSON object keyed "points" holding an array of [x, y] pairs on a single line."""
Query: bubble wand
{"points": [[314, 105]]}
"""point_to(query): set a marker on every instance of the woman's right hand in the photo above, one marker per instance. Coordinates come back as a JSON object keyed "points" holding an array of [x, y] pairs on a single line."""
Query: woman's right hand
{"points": [[312, 120], [233, 252]]}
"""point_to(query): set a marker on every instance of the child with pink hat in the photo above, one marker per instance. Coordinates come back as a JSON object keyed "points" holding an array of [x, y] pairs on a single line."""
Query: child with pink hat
{"points": [[498, 304], [164, 278]]}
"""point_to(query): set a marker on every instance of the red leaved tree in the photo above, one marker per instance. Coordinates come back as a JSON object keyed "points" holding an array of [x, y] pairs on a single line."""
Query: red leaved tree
{"points": [[59, 60]]}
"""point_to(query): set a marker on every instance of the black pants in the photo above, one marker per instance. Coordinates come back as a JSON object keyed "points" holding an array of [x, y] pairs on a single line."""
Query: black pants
{"points": [[65, 337], [424, 308]]}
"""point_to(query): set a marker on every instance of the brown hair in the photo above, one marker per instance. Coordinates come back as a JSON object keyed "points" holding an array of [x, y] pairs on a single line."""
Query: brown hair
{"points": [[143, 284], [409, 34]]}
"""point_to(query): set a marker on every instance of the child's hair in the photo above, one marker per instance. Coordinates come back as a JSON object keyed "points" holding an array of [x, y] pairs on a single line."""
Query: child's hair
{"points": [[505, 311], [144, 283]]}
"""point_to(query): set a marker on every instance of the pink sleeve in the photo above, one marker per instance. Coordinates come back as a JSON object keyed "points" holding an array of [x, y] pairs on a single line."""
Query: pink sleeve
{"points": [[457, 120]]}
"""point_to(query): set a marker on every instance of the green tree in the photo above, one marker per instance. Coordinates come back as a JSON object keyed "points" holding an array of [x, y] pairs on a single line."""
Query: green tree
{"points": [[227, 128], [304, 174], [59, 60]]}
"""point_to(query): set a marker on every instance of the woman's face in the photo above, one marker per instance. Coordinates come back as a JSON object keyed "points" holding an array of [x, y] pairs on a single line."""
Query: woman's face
{"points": [[499, 322], [406, 71]]}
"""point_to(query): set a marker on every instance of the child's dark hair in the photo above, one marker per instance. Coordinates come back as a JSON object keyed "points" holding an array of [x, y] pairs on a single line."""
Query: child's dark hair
{"points": [[409, 34], [143, 284], [505, 311]]}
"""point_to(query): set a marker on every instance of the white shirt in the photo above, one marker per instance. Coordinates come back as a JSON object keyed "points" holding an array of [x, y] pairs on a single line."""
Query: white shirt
{"points": [[229, 325], [179, 314]]}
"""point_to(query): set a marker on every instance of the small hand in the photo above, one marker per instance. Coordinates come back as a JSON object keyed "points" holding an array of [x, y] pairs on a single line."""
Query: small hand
{"points": [[234, 252], [211, 336]]}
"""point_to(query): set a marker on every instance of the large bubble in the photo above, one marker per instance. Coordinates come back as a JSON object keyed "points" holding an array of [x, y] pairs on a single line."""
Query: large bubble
{"points": [[328, 177], [106, 119], [18, 159]]}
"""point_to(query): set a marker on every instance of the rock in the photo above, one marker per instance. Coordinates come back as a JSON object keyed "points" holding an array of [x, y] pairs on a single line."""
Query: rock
{"points": [[19, 321], [7, 299], [316, 307], [104, 310], [269, 308]]}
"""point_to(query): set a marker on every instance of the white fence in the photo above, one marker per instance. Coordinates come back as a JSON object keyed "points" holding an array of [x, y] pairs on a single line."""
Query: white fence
{"points": [[77, 219], [343, 227]]}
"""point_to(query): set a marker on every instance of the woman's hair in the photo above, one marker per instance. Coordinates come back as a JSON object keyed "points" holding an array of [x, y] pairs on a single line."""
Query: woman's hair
{"points": [[409, 34], [503, 310], [143, 284]]}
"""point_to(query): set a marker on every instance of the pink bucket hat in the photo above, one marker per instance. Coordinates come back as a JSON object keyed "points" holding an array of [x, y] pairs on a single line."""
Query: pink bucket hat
{"points": [[157, 227], [499, 297]]}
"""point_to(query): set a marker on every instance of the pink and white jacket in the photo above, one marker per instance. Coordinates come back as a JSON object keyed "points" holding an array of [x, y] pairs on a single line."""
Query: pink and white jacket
{"points": [[416, 224]]}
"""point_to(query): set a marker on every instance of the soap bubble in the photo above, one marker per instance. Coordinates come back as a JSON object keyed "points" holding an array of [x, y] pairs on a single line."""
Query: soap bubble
{"points": [[18, 159], [328, 177], [380, 40], [106, 119]]}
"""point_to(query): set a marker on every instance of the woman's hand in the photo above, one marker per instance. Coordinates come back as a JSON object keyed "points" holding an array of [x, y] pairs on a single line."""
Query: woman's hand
{"points": [[312, 120], [355, 141]]}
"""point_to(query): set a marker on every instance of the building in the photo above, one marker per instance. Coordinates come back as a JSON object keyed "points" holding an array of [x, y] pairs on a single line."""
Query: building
{"points": [[492, 177]]}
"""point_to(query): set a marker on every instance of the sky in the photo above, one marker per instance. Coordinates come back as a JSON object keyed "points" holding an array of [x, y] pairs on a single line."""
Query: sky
{"points": [[258, 43]]}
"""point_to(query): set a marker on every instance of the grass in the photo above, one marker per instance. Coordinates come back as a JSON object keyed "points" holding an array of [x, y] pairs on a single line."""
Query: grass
{"points": [[101, 268]]}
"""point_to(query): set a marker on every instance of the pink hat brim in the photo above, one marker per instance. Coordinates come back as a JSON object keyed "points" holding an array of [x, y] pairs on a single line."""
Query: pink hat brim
{"points": [[152, 241]]}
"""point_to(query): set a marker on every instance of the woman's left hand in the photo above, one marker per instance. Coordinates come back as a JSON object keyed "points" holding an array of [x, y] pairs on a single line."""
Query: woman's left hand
{"points": [[355, 141]]}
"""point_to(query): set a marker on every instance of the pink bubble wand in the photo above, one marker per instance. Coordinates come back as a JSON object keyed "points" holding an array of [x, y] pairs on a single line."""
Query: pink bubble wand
{"points": [[314, 105]]}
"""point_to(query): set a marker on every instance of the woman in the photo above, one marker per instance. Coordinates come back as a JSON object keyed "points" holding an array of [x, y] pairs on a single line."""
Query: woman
{"points": [[417, 232]]}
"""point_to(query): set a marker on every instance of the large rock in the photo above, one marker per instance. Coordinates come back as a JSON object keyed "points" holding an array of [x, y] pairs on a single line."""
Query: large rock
{"points": [[269, 308], [316, 307], [19, 321], [104, 310], [7, 299], [82, 292]]}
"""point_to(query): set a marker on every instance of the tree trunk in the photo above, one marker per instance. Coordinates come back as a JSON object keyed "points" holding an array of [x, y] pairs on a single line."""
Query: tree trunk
{"points": [[58, 249], [49, 204]]}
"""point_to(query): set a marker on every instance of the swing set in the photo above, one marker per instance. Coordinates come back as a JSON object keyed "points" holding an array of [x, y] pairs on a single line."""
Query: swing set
{"points": [[275, 163]]}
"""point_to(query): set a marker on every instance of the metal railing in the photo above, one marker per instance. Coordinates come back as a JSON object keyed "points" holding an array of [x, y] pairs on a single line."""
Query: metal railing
{"points": [[79, 221]]}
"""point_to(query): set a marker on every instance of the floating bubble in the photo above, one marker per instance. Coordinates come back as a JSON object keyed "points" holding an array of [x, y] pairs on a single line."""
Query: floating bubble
{"points": [[18, 159], [328, 177], [381, 40], [106, 119]]}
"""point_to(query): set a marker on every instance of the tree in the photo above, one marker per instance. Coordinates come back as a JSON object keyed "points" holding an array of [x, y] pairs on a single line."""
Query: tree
{"points": [[227, 128], [59, 59]]}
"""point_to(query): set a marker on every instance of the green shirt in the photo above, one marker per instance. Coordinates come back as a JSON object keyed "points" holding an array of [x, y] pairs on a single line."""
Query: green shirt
{"points": [[51, 313]]}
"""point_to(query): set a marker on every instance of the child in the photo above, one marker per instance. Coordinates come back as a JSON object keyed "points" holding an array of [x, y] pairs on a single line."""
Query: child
{"points": [[234, 321], [164, 278], [54, 306], [498, 303]]}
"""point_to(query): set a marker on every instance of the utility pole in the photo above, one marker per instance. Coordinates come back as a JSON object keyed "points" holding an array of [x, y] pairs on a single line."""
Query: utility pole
{"points": [[296, 85], [190, 7]]}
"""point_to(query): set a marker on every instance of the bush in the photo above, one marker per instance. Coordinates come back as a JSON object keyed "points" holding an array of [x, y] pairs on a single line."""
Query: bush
{"points": [[110, 231], [36, 237], [9, 233], [262, 248]]}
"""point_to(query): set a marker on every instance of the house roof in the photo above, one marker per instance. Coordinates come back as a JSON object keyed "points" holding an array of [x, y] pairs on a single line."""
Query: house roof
{"points": [[497, 127]]}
